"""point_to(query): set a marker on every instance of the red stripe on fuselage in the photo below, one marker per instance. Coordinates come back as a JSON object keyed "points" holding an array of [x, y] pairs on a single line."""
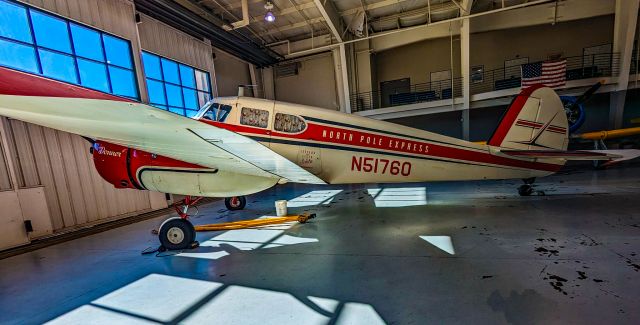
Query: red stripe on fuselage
{"points": [[18, 83], [329, 135]]}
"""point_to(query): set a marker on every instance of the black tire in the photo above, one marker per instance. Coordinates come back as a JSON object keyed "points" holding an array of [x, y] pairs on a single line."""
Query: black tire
{"points": [[525, 190], [176, 234], [234, 205]]}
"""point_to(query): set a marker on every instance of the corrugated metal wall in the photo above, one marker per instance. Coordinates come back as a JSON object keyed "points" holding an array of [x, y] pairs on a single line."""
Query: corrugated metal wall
{"points": [[5, 179], [61, 162]]}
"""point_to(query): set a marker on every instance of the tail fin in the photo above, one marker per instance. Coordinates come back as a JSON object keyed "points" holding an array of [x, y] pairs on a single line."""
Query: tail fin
{"points": [[536, 120]]}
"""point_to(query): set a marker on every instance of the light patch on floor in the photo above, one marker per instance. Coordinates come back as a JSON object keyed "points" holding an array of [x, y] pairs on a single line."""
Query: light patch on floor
{"points": [[179, 293], [171, 299], [313, 198], [269, 236], [398, 197], [444, 243]]}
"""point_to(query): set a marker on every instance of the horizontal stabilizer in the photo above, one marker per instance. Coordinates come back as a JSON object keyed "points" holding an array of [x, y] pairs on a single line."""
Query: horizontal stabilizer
{"points": [[612, 155]]}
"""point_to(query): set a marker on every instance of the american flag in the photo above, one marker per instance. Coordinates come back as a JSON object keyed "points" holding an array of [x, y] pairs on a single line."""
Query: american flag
{"points": [[551, 73]]}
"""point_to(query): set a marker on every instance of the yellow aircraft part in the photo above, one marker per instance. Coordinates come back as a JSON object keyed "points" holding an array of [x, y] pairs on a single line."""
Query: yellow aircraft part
{"points": [[611, 134], [254, 223]]}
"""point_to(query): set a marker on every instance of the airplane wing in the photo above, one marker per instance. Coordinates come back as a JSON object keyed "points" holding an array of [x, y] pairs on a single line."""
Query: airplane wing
{"points": [[611, 155], [113, 119]]}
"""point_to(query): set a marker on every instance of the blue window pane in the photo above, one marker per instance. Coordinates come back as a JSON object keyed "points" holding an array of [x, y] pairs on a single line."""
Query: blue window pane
{"points": [[14, 22], [118, 51], [87, 43], [174, 95], [160, 106], [176, 110], [156, 92], [93, 75], [58, 66], [187, 77], [190, 100], [151, 66], [191, 113], [18, 56], [123, 82], [51, 32], [170, 71]]}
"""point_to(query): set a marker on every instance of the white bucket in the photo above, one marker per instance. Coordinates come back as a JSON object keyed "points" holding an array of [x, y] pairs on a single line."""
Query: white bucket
{"points": [[281, 208]]}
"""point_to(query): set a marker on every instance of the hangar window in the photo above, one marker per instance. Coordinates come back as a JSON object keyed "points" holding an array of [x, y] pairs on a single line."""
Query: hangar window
{"points": [[34, 41], [288, 123], [174, 86], [254, 117]]}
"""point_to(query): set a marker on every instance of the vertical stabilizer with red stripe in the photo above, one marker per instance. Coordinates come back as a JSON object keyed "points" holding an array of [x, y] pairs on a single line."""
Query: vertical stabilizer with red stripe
{"points": [[535, 121]]}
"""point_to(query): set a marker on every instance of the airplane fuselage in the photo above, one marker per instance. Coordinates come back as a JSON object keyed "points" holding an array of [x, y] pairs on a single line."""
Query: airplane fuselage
{"points": [[338, 148], [344, 148]]}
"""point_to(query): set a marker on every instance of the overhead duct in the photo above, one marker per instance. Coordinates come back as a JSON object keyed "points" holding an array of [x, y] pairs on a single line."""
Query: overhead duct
{"points": [[245, 18]]}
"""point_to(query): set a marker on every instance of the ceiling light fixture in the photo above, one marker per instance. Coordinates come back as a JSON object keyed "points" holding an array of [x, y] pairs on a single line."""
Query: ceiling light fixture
{"points": [[269, 16]]}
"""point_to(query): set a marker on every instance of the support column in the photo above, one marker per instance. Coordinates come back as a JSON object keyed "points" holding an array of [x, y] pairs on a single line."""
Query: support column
{"points": [[268, 83], [254, 81], [342, 78], [366, 85], [464, 67], [623, 40]]}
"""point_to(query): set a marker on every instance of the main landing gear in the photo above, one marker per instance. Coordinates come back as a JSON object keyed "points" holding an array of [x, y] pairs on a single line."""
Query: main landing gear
{"points": [[178, 232], [526, 189]]}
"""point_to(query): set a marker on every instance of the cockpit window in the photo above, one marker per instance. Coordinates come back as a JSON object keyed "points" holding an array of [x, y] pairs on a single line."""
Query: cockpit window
{"points": [[217, 112], [288, 123], [254, 117]]}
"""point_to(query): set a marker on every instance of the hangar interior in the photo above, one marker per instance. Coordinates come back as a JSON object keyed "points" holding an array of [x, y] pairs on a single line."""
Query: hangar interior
{"points": [[376, 253]]}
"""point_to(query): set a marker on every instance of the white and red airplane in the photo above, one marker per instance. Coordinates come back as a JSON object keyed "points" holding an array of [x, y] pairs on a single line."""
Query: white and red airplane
{"points": [[237, 146]]}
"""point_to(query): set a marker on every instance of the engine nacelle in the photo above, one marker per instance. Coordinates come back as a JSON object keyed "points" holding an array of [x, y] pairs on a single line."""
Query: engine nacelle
{"points": [[111, 162], [130, 168]]}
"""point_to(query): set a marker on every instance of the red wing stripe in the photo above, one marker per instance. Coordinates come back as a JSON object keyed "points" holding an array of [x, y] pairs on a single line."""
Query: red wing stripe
{"points": [[539, 153]]}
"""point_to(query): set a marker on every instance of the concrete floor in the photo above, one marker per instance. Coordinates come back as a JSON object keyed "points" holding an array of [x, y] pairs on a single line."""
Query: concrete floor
{"points": [[471, 252]]}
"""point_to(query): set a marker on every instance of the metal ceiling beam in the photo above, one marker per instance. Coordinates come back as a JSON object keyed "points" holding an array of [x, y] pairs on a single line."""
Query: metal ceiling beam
{"points": [[181, 18], [209, 16], [497, 19], [331, 15], [300, 24], [531, 13], [385, 3]]}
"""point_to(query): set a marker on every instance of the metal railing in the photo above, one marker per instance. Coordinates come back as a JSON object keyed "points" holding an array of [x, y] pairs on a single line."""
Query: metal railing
{"points": [[578, 67], [417, 93]]}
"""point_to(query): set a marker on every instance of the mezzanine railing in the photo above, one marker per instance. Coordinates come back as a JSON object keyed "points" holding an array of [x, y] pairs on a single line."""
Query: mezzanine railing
{"points": [[578, 67]]}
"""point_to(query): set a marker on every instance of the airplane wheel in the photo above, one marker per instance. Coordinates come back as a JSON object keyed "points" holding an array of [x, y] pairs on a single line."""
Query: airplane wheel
{"points": [[235, 203], [176, 234], [525, 190]]}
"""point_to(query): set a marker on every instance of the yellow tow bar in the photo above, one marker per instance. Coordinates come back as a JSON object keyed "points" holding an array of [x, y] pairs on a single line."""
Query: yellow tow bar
{"points": [[302, 218]]}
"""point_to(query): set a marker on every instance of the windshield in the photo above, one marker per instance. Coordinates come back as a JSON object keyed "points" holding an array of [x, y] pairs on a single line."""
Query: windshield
{"points": [[214, 112]]}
